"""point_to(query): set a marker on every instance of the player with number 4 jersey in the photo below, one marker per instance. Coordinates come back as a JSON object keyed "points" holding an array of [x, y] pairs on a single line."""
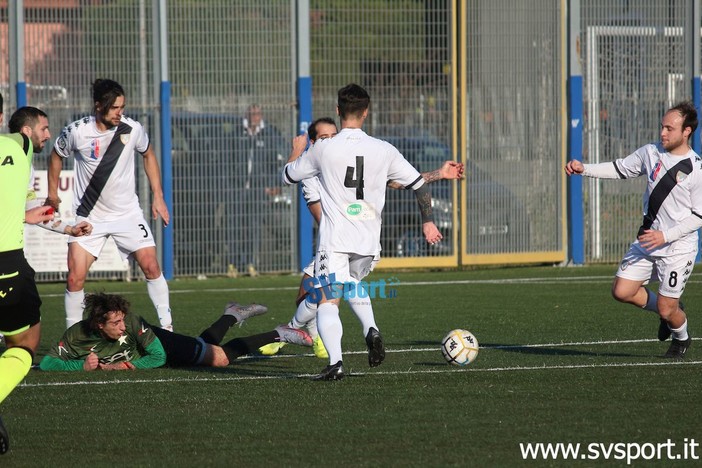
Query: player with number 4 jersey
{"points": [[354, 170]]}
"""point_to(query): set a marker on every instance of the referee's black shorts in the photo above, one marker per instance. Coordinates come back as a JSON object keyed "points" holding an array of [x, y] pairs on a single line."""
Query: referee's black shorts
{"points": [[181, 350], [20, 303]]}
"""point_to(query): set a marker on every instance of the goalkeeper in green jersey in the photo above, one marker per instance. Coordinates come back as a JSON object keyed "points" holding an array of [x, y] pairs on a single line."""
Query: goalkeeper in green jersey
{"points": [[113, 338]]}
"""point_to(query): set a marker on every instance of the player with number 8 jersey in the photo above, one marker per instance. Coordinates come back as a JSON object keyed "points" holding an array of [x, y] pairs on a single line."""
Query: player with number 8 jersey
{"points": [[665, 247]]}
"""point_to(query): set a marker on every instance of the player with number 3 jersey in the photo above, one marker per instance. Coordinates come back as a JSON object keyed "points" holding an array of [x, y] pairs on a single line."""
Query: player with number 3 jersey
{"points": [[104, 146]]}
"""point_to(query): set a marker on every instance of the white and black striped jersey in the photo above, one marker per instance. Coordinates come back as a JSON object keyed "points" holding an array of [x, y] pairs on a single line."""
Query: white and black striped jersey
{"points": [[104, 187], [353, 170], [673, 191]]}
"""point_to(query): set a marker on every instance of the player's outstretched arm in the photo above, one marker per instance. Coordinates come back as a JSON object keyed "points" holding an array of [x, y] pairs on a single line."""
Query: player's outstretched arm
{"points": [[574, 167], [449, 170], [39, 214]]}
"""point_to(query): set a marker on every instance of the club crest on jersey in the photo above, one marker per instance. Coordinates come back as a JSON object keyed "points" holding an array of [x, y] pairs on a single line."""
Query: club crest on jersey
{"points": [[61, 142], [680, 176], [95, 149], [124, 138], [655, 171]]}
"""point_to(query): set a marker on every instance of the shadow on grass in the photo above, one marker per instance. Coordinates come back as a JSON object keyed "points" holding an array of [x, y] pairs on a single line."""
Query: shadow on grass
{"points": [[252, 366], [550, 351], [533, 350]]}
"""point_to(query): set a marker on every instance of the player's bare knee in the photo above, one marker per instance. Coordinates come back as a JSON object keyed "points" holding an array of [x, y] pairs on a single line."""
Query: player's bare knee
{"points": [[215, 357], [621, 295], [665, 314], [151, 269], [75, 282], [669, 312]]}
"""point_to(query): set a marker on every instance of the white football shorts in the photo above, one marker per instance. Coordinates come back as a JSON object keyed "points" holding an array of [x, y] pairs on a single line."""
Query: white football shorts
{"points": [[309, 269], [130, 234], [671, 271], [346, 267]]}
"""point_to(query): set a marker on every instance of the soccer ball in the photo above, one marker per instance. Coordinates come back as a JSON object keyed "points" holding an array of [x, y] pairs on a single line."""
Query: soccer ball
{"points": [[459, 347]]}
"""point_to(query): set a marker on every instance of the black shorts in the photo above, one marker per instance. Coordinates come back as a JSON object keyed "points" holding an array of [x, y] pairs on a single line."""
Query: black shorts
{"points": [[181, 350], [20, 303]]}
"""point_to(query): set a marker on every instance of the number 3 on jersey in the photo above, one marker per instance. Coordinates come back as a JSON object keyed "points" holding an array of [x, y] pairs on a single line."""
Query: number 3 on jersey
{"points": [[356, 183]]}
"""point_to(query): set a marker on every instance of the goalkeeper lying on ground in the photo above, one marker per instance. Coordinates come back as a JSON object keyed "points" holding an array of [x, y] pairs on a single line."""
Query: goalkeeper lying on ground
{"points": [[113, 338]]}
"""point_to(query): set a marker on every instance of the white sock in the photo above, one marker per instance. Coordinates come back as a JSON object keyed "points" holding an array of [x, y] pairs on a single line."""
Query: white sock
{"points": [[680, 333], [363, 309], [330, 330], [73, 302], [651, 301], [158, 292], [312, 328], [305, 312]]}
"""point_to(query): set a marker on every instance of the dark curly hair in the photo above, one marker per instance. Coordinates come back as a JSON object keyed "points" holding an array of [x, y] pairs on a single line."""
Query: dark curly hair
{"points": [[99, 305]]}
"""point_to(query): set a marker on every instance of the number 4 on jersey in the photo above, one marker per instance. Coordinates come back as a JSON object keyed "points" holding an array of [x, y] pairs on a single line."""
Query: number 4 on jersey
{"points": [[356, 183]]}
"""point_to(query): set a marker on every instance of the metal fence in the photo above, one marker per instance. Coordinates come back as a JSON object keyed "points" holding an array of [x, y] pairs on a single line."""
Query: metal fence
{"points": [[399, 52], [633, 70], [482, 82], [232, 215], [513, 116], [68, 46]]}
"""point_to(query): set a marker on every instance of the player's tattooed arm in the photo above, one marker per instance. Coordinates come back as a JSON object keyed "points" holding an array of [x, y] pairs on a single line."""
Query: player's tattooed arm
{"points": [[423, 196], [449, 170], [432, 176], [429, 177]]}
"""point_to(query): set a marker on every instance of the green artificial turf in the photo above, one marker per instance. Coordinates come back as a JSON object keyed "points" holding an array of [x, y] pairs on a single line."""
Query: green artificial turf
{"points": [[560, 362]]}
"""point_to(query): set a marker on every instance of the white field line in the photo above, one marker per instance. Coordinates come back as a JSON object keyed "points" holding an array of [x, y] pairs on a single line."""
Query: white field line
{"points": [[446, 370], [518, 346], [595, 279], [544, 280]]}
